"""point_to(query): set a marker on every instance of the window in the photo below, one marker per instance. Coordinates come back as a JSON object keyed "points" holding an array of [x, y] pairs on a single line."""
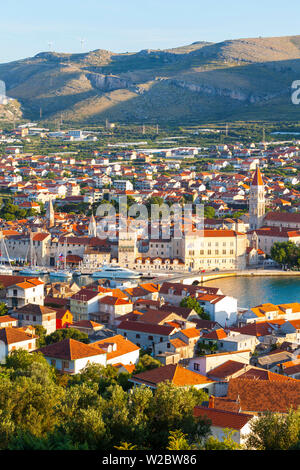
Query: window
{"points": [[65, 364], [137, 336], [196, 366], [150, 338], [168, 345], [53, 362]]}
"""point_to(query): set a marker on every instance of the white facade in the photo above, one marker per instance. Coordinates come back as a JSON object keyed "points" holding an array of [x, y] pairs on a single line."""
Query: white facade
{"points": [[204, 364], [27, 345], [76, 365], [18, 296]]}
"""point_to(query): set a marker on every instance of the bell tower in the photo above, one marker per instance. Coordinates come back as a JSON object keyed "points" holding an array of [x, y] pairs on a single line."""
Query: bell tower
{"points": [[50, 215], [257, 205]]}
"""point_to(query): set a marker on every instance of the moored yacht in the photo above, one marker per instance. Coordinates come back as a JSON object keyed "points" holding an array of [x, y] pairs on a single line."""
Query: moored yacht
{"points": [[61, 274], [5, 270], [115, 272]]}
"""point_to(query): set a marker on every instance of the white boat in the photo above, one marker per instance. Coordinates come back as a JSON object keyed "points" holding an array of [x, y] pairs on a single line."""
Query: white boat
{"points": [[61, 274], [5, 271], [30, 272], [32, 269], [64, 273], [115, 272]]}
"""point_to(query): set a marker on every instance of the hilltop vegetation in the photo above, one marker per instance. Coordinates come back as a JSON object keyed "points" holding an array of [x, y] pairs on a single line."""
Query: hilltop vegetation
{"points": [[236, 79]]}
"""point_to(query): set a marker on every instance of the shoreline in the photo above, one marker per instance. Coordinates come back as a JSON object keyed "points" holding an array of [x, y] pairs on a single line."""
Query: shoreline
{"points": [[252, 273]]}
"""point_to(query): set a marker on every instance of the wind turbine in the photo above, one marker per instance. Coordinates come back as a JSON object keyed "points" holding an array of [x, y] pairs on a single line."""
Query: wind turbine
{"points": [[50, 44]]}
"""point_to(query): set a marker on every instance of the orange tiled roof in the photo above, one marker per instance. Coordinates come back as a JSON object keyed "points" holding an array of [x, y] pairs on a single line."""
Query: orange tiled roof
{"points": [[191, 332], [222, 418], [264, 395], [216, 334], [14, 335], [123, 346], [70, 349], [257, 179], [176, 374]]}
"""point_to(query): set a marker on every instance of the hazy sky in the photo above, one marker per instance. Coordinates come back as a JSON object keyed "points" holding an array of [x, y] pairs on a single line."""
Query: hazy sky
{"points": [[27, 26]]}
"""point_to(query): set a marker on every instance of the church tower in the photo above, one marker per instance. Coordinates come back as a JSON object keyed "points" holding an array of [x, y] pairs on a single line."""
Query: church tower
{"points": [[50, 215], [257, 205]]}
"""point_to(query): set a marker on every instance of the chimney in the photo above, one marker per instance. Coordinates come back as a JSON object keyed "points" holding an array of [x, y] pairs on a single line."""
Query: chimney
{"points": [[211, 403]]}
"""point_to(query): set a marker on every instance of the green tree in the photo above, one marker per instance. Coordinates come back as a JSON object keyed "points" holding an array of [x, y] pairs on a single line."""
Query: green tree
{"points": [[228, 443], [209, 212], [3, 309], [41, 332], [146, 362], [286, 253], [274, 431], [178, 441], [172, 409], [63, 333], [191, 302]]}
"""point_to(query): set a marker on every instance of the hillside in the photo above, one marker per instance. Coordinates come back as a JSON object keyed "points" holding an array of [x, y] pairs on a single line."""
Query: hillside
{"points": [[234, 79]]}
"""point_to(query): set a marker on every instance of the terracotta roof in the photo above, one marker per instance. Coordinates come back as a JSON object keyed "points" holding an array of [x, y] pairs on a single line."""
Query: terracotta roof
{"points": [[151, 287], [14, 335], [35, 309], [222, 418], [283, 217], [123, 346], [174, 373], [263, 374], [86, 324], [85, 294], [226, 369], [264, 395], [178, 343], [39, 237], [139, 326], [129, 367], [257, 179], [110, 300], [6, 319], [216, 334], [291, 367], [29, 283], [191, 332], [255, 329], [70, 349], [156, 316]]}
